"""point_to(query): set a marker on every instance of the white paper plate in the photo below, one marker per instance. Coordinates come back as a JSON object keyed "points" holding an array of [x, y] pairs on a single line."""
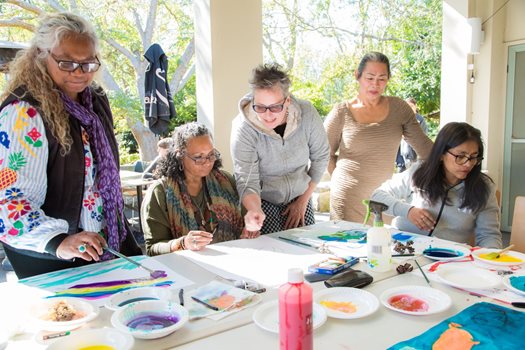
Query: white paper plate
{"points": [[476, 255], [435, 300], [128, 296], [93, 337], [507, 281], [266, 316], [40, 310], [460, 250], [468, 277], [365, 302]]}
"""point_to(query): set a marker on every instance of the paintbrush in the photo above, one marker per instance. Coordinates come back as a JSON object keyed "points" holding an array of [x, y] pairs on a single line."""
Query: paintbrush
{"points": [[422, 272], [152, 273], [496, 255]]}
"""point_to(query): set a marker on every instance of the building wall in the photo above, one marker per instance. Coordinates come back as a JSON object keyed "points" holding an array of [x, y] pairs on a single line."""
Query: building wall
{"points": [[481, 103]]}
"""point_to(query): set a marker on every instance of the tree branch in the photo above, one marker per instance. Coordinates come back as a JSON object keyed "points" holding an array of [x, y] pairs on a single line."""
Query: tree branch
{"points": [[182, 66], [26, 6], [185, 78], [138, 25], [150, 23], [17, 23], [123, 51]]}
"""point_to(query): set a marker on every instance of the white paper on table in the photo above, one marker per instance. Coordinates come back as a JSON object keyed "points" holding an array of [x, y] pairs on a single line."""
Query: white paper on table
{"points": [[263, 260], [107, 271], [499, 293]]}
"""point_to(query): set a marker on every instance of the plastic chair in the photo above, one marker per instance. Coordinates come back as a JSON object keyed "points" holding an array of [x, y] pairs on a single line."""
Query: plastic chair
{"points": [[138, 167], [517, 234]]}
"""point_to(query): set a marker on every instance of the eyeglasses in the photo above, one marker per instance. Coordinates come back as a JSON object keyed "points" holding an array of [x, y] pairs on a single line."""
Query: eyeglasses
{"points": [[212, 157], [273, 108], [462, 159], [71, 66]]}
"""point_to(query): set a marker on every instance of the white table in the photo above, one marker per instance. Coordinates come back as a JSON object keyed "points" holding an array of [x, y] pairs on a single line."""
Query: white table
{"points": [[238, 331], [380, 330]]}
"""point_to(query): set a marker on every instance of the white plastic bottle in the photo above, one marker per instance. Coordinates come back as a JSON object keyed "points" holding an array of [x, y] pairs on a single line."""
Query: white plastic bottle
{"points": [[378, 240]]}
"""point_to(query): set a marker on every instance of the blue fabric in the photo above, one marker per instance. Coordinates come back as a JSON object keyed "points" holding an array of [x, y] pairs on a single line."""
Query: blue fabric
{"points": [[493, 326]]}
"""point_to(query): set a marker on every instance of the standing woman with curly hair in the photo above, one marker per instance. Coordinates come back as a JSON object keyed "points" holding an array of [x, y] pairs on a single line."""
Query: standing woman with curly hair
{"points": [[194, 203], [447, 195], [60, 194]]}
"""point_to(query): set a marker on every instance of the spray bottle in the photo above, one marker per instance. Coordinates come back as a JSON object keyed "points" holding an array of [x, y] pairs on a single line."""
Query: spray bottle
{"points": [[378, 238]]}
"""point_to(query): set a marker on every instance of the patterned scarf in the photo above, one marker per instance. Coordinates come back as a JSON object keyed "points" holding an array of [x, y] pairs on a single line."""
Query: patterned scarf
{"points": [[107, 172], [224, 205]]}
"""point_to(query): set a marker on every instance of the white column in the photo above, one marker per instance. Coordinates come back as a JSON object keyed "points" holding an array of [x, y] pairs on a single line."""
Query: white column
{"points": [[228, 44], [454, 76]]}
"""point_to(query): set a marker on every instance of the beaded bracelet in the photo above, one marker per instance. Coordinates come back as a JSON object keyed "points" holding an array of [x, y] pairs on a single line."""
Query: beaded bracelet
{"points": [[182, 243]]}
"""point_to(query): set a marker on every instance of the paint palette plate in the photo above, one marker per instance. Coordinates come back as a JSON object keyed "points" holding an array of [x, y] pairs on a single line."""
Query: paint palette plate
{"points": [[128, 296], [150, 319], [468, 277], [415, 300], [83, 312], [480, 255], [515, 283], [102, 338], [446, 252], [347, 303], [266, 316]]}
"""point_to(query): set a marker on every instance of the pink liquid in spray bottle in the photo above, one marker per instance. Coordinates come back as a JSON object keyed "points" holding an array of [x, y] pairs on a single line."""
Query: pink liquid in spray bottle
{"points": [[295, 313]]}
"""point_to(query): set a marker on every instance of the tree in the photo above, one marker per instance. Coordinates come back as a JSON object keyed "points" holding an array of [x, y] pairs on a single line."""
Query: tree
{"points": [[322, 41], [126, 29]]}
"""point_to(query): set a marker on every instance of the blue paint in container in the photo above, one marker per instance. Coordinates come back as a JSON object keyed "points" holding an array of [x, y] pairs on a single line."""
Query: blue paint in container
{"points": [[442, 253]]}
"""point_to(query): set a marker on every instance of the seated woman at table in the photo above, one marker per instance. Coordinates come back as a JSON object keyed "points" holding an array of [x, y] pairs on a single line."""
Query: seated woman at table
{"points": [[447, 195], [60, 198], [194, 203]]}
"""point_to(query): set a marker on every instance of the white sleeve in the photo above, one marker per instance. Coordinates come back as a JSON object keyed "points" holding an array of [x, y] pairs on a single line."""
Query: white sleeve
{"points": [[23, 180]]}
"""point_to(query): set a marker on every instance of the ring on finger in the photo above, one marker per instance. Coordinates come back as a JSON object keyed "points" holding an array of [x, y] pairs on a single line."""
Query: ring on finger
{"points": [[82, 248]]}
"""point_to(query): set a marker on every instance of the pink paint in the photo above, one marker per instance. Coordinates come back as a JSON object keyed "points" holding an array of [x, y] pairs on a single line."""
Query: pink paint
{"points": [[295, 313], [408, 303]]}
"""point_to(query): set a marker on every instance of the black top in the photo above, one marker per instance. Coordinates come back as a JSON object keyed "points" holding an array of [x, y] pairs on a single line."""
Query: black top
{"points": [[280, 129]]}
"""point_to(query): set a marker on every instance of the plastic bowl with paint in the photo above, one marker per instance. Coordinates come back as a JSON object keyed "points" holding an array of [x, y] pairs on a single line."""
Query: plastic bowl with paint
{"points": [[129, 296], [62, 314], [94, 339], [150, 319]]}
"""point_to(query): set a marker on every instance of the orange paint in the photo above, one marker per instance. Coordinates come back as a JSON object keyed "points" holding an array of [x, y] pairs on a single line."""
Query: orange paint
{"points": [[342, 306], [454, 339]]}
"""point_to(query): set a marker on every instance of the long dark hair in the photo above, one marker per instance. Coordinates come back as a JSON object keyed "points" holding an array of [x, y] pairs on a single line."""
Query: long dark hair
{"points": [[429, 178], [172, 166]]}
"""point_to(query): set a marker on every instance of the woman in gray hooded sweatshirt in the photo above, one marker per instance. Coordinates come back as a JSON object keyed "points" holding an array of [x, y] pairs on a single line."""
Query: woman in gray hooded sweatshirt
{"points": [[280, 151]]}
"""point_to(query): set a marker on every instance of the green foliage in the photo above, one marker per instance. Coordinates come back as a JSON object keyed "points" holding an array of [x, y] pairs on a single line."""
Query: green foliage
{"points": [[407, 31], [185, 105]]}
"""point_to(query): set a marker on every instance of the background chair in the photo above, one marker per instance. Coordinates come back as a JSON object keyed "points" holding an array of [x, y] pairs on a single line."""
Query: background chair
{"points": [[517, 235]]}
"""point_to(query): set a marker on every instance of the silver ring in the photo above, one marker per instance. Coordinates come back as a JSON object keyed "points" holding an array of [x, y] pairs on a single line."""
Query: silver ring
{"points": [[194, 241], [82, 248]]}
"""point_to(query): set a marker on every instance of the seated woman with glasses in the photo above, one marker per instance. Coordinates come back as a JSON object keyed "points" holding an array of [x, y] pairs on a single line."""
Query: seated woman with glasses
{"points": [[447, 195], [60, 195], [194, 203], [280, 152]]}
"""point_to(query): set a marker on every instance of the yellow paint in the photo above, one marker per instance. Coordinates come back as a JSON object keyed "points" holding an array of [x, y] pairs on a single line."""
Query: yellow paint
{"points": [[454, 339], [97, 347], [502, 258], [342, 306]]}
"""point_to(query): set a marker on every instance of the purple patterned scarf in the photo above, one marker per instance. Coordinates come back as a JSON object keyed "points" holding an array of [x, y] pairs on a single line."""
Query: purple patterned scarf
{"points": [[107, 172]]}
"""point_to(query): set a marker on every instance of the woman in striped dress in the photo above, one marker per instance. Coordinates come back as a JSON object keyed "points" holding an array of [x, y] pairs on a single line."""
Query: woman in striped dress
{"points": [[364, 134]]}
